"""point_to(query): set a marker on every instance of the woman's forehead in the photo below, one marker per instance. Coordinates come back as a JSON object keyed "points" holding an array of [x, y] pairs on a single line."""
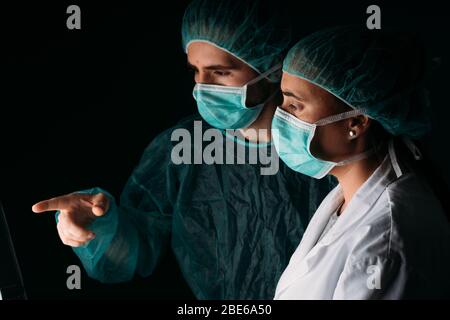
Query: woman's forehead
{"points": [[300, 87]]}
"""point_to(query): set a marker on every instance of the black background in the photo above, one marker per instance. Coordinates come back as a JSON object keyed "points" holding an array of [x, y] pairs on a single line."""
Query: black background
{"points": [[79, 106]]}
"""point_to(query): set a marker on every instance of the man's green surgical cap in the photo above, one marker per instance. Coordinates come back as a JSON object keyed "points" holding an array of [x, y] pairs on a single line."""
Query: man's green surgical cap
{"points": [[248, 30]]}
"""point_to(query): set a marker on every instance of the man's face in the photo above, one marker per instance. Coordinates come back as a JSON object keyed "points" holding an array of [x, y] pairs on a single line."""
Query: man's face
{"points": [[212, 65]]}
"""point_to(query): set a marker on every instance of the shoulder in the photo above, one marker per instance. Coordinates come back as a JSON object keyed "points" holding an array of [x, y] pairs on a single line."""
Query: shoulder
{"points": [[405, 215], [410, 196], [418, 218], [163, 142], [158, 152], [415, 210]]}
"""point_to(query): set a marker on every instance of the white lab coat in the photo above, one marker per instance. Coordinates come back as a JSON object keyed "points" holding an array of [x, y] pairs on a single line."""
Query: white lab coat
{"points": [[391, 242]]}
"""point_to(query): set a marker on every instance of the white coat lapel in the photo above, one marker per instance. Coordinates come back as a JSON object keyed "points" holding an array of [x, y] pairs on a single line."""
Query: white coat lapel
{"points": [[318, 222], [298, 264], [362, 201], [307, 253]]}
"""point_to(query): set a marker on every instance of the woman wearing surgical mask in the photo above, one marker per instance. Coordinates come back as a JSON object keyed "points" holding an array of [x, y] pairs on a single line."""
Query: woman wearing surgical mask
{"points": [[353, 103]]}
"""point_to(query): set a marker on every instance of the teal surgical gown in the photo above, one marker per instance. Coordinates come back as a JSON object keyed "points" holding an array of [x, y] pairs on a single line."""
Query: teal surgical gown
{"points": [[231, 229]]}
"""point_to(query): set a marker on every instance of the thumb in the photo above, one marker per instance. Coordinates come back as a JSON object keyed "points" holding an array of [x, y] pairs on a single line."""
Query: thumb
{"points": [[100, 204]]}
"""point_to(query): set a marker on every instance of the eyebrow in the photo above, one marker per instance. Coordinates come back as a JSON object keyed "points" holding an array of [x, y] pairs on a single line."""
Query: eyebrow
{"points": [[290, 94], [213, 67]]}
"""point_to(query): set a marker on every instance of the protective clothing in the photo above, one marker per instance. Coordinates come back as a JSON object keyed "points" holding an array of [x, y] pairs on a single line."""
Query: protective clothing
{"points": [[392, 241], [292, 139], [224, 107], [232, 230], [248, 30]]}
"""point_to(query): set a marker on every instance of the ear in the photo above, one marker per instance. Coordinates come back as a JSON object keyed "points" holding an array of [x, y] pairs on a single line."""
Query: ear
{"points": [[358, 126]]}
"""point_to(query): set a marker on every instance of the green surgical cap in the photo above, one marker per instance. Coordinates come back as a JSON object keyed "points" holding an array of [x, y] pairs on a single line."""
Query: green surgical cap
{"points": [[380, 72], [248, 30]]}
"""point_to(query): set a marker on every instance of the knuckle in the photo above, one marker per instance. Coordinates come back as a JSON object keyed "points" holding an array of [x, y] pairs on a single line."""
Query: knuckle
{"points": [[62, 216], [102, 197]]}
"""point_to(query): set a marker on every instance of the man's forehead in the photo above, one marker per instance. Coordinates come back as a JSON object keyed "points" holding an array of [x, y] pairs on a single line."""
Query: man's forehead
{"points": [[203, 54]]}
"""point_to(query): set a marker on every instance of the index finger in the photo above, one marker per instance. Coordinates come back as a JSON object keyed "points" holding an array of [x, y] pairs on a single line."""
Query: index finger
{"points": [[53, 204]]}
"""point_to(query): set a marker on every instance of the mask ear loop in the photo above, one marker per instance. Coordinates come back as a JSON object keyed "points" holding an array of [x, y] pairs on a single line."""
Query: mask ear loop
{"points": [[258, 78], [411, 146], [338, 117], [391, 150], [342, 116], [360, 156], [263, 75], [394, 161]]}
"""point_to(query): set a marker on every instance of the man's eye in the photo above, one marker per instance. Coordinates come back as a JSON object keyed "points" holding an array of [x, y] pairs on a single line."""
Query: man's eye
{"points": [[222, 73], [294, 108]]}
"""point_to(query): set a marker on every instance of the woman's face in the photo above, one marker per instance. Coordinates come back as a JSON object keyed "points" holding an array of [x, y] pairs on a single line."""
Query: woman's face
{"points": [[311, 103], [212, 65]]}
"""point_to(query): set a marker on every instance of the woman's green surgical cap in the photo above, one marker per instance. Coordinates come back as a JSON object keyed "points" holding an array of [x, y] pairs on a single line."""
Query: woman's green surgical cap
{"points": [[249, 30], [380, 72]]}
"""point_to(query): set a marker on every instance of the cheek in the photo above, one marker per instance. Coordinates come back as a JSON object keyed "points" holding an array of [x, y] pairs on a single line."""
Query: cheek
{"points": [[330, 142], [237, 79]]}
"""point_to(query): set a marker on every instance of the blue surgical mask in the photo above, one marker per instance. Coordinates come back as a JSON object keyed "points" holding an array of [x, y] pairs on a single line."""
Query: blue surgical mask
{"points": [[292, 139], [223, 107]]}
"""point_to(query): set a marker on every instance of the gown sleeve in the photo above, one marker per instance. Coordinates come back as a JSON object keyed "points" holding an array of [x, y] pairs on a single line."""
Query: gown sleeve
{"points": [[132, 236]]}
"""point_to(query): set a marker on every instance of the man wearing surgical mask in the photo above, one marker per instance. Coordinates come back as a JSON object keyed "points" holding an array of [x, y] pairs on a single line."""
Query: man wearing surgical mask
{"points": [[232, 230]]}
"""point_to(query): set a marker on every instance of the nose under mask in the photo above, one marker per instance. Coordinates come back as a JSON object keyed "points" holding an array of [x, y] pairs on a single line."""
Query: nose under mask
{"points": [[224, 107]]}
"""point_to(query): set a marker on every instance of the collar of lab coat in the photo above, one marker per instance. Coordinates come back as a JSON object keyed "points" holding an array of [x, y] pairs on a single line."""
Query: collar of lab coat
{"points": [[361, 202]]}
